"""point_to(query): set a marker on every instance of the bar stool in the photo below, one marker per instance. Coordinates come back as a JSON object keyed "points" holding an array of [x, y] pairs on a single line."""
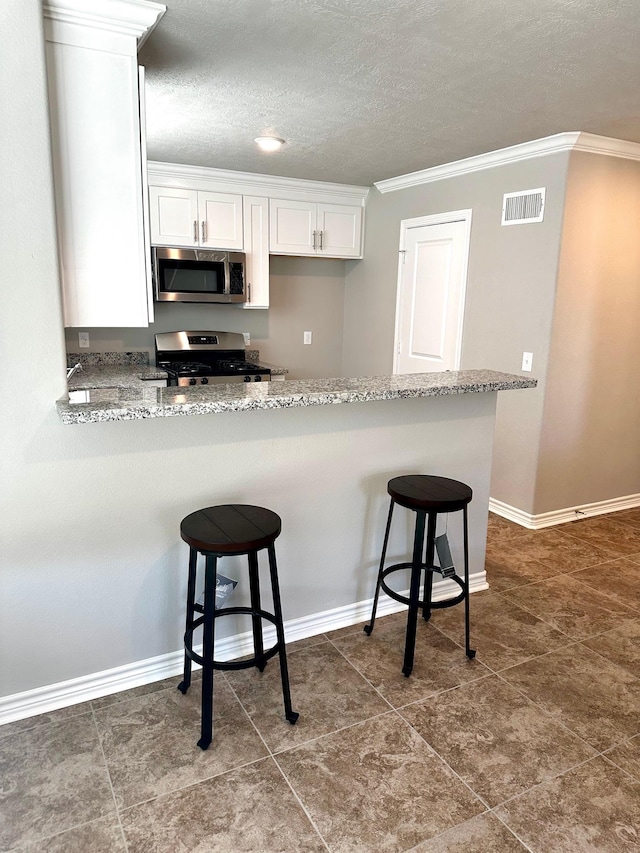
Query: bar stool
{"points": [[222, 531], [428, 496]]}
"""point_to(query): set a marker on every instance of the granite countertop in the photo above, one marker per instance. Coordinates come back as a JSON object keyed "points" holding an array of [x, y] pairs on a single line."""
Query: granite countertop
{"points": [[120, 401]]}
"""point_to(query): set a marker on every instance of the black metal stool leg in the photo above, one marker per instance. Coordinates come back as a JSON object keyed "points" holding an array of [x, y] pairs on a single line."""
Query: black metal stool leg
{"points": [[429, 558], [290, 714], [254, 587], [206, 730], [369, 628], [188, 636], [414, 595], [471, 653]]}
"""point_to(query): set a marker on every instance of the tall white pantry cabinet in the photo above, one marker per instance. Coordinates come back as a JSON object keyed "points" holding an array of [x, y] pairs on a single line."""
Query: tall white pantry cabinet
{"points": [[93, 82]]}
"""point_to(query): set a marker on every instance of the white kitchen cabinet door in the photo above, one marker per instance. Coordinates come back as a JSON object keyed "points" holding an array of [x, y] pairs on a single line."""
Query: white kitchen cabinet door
{"points": [[182, 217], [256, 247], [316, 229], [173, 215], [220, 221], [292, 227], [340, 230]]}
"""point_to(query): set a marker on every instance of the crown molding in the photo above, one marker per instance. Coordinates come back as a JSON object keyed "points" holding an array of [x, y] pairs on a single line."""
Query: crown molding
{"points": [[135, 18], [560, 142], [608, 146], [249, 183]]}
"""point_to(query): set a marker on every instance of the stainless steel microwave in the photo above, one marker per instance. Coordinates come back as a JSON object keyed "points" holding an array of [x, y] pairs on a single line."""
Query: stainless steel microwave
{"points": [[198, 275]]}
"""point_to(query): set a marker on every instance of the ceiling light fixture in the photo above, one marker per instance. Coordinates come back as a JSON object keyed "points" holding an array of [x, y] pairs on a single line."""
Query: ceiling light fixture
{"points": [[269, 143]]}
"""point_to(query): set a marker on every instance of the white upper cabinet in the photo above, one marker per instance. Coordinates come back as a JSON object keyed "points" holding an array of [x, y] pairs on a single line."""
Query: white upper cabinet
{"points": [[309, 228], [256, 247], [183, 217], [92, 76]]}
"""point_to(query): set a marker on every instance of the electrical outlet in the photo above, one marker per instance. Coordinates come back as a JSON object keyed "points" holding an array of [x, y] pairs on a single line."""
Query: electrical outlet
{"points": [[247, 338], [83, 339], [527, 361], [308, 337]]}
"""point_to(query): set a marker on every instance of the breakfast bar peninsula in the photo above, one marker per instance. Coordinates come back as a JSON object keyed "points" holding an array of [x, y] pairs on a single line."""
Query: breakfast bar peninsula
{"points": [[319, 453]]}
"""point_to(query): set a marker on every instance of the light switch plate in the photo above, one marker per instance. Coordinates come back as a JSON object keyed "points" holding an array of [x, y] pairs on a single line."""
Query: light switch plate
{"points": [[247, 338], [308, 337], [83, 339], [527, 361]]}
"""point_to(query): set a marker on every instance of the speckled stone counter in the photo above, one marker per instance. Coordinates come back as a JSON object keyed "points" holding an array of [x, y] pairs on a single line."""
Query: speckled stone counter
{"points": [[120, 402]]}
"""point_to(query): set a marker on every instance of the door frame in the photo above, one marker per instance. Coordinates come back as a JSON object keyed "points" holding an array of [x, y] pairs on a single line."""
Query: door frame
{"points": [[417, 222]]}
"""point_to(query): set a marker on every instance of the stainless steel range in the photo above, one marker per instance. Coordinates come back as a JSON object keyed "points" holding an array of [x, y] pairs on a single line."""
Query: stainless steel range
{"points": [[202, 358]]}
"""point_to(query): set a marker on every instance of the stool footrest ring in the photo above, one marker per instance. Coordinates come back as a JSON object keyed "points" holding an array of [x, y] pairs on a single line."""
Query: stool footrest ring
{"points": [[404, 599], [247, 663]]}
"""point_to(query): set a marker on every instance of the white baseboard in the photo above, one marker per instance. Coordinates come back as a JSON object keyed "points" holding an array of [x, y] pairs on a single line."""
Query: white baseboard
{"points": [[561, 516], [52, 697]]}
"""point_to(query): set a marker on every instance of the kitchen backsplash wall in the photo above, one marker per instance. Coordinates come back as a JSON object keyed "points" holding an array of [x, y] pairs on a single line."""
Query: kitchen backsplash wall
{"points": [[307, 294]]}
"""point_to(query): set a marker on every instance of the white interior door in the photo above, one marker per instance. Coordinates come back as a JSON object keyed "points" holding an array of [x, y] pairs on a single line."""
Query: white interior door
{"points": [[431, 292]]}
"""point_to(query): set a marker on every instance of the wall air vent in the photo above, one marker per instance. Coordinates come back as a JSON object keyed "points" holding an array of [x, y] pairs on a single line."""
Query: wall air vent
{"points": [[524, 206]]}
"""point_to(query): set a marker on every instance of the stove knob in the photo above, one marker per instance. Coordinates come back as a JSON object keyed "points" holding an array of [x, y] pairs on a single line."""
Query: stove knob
{"points": [[192, 381], [257, 378], [247, 378], [205, 381]]}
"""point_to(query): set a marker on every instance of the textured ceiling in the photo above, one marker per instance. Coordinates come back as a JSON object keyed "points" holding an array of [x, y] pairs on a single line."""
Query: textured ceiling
{"points": [[364, 90]]}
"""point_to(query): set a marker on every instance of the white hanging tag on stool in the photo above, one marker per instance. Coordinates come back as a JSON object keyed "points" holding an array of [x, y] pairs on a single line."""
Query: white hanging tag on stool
{"points": [[447, 569], [224, 588]]}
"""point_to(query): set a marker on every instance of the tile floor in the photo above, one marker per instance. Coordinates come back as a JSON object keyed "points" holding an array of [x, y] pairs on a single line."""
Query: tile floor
{"points": [[534, 745]]}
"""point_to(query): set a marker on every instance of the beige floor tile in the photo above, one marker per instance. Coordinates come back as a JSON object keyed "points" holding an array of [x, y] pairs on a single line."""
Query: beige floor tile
{"points": [[377, 787], [607, 532], [99, 836], [53, 777], [594, 808], [497, 741], [326, 691], [249, 810], [627, 756], [482, 834], [571, 607], [439, 662], [561, 552], [506, 569], [502, 633], [621, 646], [150, 743], [597, 700], [620, 579]]}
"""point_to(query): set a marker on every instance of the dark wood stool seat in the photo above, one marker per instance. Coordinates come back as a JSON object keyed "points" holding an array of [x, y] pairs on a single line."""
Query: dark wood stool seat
{"points": [[222, 531], [427, 496]]}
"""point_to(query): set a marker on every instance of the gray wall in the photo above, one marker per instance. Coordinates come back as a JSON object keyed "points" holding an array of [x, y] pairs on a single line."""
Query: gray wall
{"points": [[510, 297], [92, 571], [306, 294], [589, 448]]}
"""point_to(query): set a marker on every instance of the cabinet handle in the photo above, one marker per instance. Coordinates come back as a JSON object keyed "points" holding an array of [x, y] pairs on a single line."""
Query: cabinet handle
{"points": [[204, 232], [248, 291], [315, 234], [321, 233], [195, 230]]}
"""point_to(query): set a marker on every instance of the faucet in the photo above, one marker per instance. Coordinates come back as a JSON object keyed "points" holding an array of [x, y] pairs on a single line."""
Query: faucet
{"points": [[74, 369]]}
